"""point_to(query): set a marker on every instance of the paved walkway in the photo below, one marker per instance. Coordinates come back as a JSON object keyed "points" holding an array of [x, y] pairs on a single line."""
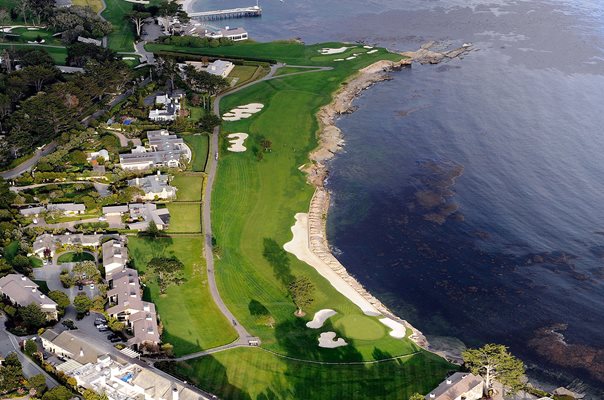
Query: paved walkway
{"points": [[29, 163]]}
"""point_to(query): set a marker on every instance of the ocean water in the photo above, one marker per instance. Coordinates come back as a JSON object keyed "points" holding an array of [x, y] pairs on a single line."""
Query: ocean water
{"points": [[469, 195]]}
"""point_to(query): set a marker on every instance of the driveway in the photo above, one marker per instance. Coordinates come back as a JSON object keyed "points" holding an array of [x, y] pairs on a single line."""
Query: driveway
{"points": [[51, 273]]}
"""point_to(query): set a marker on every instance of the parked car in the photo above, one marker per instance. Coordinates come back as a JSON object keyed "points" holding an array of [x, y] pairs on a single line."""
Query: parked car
{"points": [[80, 286], [92, 286]]}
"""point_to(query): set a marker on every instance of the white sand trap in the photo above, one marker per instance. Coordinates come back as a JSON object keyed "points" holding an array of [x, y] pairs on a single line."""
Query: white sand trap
{"points": [[242, 112], [350, 58], [398, 331], [339, 59], [368, 47], [298, 246], [372, 51], [327, 50], [320, 317], [236, 142], [329, 341]]}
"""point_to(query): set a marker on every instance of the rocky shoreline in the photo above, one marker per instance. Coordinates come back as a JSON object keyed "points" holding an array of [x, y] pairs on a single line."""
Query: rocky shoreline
{"points": [[330, 143]]}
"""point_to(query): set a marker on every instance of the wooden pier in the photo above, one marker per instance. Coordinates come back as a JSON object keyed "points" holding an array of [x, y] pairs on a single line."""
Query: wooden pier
{"points": [[254, 11]]}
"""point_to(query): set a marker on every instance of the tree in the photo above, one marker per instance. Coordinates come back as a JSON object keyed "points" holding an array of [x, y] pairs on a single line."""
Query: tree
{"points": [[30, 347], [37, 383], [168, 271], [82, 303], [416, 396], [38, 75], [21, 264], [60, 298], [92, 395], [33, 316], [138, 19], [495, 362], [24, 8], [11, 374], [301, 291], [58, 393], [85, 271], [152, 230]]}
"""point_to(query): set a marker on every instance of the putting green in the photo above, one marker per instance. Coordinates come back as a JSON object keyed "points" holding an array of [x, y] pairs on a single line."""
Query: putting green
{"points": [[355, 326]]}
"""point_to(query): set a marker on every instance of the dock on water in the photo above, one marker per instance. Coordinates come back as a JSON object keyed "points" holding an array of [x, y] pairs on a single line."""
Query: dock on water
{"points": [[254, 11]]}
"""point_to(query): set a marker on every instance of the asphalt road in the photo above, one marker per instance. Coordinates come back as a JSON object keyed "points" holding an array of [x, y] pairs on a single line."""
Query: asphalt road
{"points": [[29, 164]]}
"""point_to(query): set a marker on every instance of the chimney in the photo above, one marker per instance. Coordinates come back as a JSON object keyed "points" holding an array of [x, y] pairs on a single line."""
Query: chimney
{"points": [[81, 352], [137, 181], [449, 381], [33, 290], [432, 396], [23, 278], [175, 393]]}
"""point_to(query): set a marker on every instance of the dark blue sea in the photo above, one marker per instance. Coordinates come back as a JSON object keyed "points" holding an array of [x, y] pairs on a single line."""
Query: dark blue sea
{"points": [[470, 195]]}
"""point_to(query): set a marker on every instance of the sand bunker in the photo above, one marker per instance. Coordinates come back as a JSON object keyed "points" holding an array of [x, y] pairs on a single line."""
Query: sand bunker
{"points": [[299, 247], [242, 112], [350, 58], [236, 142], [339, 59], [368, 47], [327, 50], [372, 51], [329, 341], [398, 331], [320, 317]]}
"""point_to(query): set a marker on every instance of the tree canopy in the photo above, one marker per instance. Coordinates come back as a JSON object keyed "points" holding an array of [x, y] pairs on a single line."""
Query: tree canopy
{"points": [[301, 291], [495, 362], [168, 271], [82, 303], [60, 298], [33, 316], [85, 271]]}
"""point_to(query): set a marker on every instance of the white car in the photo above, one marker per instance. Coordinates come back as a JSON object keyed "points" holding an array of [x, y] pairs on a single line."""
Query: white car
{"points": [[92, 286]]}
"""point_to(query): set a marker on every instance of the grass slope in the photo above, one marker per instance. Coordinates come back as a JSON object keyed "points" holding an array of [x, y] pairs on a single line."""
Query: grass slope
{"points": [[199, 146], [191, 320], [247, 373], [185, 217], [189, 187]]}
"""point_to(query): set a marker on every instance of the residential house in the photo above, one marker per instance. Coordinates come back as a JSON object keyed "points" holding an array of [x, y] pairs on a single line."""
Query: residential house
{"points": [[459, 386], [115, 256], [86, 40], [126, 304], [66, 344], [154, 187], [170, 111], [22, 291], [46, 244], [115, 210], [32, 211], [163, 150], [144, 213], [219, 67], [98, 154], [67, 208]]}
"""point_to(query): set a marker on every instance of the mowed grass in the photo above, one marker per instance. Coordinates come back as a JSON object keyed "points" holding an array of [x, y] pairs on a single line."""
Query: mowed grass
{"points": [[122, 37], [241, 74], [251, 373], [184, 217], [191, 320], [58, 54], [189, 187], [199, 145], [94, 5], [75, 257]]}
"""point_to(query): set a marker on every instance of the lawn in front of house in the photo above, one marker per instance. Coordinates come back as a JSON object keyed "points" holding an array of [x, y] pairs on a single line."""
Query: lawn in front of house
{"points": [[72, 256], [184, 217], [199, 145], [251, 373], [189, 187], [192, 321]]}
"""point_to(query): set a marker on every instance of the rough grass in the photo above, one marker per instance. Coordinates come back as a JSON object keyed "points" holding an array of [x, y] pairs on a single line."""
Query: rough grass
{"points": [[185, 217], [191, 320], [95, 5], [199, 146], [251, 373], [189, 187], [242, 74]]}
